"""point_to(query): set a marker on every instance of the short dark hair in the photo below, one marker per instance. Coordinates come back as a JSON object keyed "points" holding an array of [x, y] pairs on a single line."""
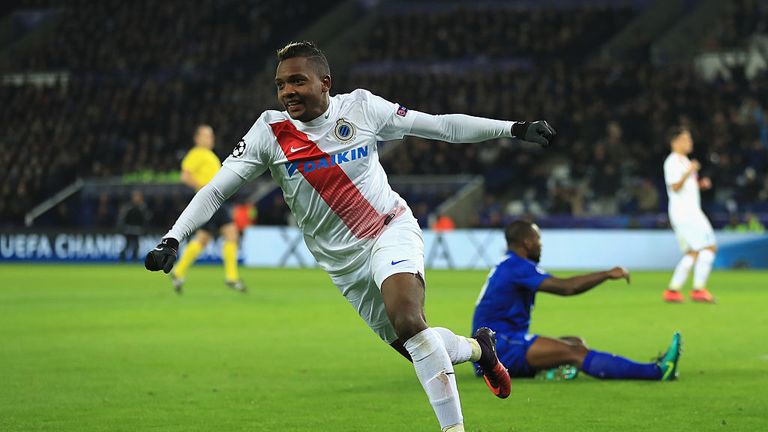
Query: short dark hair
{"points": [[309, 51], [674, 132], [519, 231]]}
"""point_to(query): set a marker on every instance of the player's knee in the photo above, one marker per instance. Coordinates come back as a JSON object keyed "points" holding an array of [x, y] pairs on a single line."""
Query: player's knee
{"points": [[577, 352], [408, 325], [203, 237], [575, 340], [229, 232]]}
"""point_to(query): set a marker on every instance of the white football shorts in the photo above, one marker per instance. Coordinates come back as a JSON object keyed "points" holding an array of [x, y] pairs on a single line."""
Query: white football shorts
{"points": [[693, 231], [399, 249]]}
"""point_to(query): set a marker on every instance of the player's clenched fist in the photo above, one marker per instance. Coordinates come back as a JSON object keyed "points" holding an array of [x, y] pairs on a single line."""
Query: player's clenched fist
{"points": [[539, 132], [695, 165], [162, 256]]}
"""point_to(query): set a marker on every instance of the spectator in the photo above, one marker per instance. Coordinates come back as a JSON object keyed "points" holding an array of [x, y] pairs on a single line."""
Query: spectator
{"points": [[132, 222]]}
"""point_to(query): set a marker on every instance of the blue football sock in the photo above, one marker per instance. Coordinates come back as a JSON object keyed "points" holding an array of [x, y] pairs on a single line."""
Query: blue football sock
{"points": [[608, 366]]}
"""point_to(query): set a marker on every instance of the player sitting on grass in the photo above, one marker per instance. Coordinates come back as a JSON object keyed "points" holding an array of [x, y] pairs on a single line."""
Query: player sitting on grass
{"points": [[506, 302], [322, 152]]}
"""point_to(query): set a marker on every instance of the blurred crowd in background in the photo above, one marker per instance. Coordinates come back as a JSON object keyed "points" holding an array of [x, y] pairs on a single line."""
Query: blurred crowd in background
{"points": [[141, 75]]}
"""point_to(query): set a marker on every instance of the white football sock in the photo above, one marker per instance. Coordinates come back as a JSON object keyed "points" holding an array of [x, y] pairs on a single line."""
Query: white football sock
{"points": [[460, 349], [681, 272], [702, 269], [435, 372]]}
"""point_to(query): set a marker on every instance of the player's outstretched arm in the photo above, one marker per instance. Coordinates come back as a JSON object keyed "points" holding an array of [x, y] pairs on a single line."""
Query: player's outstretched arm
{"points": [[579, 284], [203, 205], [692, 169], [460, 128]]}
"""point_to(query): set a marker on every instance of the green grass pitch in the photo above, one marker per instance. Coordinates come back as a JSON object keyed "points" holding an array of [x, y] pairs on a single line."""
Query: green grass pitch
{"points": [[112, 348]]}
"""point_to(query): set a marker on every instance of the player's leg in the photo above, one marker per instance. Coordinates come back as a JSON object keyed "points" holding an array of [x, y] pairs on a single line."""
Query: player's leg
{"points": [[133, 246], [400, 348], [566, 371], [460, 349], [672, 294], [124, 253], [697, 233], [547, 353], [575, 340], [229, 255], [679, 276], [701, 272], [191, 252], [403, 296]]}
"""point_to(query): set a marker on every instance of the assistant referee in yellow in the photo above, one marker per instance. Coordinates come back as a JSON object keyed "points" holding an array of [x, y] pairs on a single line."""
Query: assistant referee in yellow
{"points": [[198, 168]]}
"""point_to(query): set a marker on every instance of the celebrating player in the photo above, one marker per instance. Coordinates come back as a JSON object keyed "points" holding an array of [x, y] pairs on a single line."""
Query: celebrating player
{"points": [[322, 152], [692, 228], [506, 302], [198, 167]]}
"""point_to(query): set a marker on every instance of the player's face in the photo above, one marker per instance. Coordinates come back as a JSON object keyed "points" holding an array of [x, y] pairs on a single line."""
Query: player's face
{"points": [[684, 143], [534, 250], [301, 90], [204, 137]]}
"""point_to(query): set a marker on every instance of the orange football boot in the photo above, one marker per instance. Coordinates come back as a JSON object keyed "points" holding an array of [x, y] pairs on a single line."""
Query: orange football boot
{"points": [[702, 296], [671, 296], [495, 374]]}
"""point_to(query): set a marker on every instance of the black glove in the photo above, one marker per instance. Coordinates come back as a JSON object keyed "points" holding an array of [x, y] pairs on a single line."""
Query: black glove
{"points": [[539, 132], [163, 256]]}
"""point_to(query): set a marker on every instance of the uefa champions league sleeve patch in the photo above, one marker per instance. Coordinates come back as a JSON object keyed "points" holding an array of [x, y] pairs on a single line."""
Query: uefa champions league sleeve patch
{"points": [[401, 111], [239, 150]]}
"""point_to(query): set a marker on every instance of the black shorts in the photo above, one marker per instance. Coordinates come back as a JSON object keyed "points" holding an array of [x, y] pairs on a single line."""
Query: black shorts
{"points": [[218, 220]]}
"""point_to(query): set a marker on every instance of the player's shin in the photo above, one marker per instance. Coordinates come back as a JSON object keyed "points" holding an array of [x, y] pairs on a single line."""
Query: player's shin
{"points": [[681, 272], [435, 372], [703, 268], [189, 256], [229, 255], [460, 349], [608, 366]]}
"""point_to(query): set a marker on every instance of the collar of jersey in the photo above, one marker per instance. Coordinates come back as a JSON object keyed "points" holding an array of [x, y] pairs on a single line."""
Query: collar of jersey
{"points": [[323, 118]]}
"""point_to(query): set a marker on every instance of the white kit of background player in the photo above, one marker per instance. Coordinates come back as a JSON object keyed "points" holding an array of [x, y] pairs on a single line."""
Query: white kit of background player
{"points": [[691, 226]]}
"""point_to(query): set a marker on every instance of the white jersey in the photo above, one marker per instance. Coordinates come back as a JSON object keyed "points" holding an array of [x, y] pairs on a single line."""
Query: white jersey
{"points": [[686, 200], [329, 170]]}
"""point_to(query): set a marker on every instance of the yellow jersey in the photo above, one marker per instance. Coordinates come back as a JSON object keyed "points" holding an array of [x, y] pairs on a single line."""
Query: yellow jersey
{"points": [[202, 164]]}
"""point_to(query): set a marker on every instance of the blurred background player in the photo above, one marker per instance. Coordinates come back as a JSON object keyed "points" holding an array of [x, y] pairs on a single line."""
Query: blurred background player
{"points": [[198, 168], [132, 222], [691, 226], [506, 302]]}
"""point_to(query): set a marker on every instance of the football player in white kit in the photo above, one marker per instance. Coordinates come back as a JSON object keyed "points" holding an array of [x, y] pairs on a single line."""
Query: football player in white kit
{"points": [[692, 228], [322, 152]]}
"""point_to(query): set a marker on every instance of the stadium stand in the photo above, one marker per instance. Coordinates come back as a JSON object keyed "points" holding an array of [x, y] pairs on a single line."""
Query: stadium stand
{"points": [[125, 103], [611, 117]]}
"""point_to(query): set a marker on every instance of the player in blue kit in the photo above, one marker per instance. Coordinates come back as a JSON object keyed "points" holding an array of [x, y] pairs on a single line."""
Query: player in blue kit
{"points": [[506, 302]]}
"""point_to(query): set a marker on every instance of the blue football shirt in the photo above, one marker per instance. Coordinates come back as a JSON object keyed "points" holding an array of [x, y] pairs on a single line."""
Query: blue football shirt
{"points": [[507, 298]]}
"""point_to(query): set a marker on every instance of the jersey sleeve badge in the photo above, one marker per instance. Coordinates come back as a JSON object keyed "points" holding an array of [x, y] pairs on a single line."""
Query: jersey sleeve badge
{"points": [[239, 150]]}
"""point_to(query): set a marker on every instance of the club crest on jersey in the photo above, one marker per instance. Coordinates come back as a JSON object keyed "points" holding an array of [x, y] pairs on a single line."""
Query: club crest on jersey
{"points": [[402, 111], [344, 130], [239, 150]]}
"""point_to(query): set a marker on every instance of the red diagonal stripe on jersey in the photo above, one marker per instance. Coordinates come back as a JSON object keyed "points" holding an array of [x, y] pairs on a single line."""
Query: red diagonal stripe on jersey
{"points": [[332, 183]]}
